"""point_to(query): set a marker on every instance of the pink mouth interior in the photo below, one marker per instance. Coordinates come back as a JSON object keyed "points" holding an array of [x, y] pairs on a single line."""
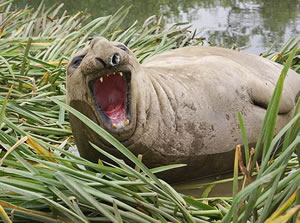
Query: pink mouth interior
{"points": [[111, 97]]}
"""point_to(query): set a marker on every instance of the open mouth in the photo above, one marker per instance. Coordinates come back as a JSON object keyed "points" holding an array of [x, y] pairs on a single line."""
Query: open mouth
{"points": [[111, 93]]}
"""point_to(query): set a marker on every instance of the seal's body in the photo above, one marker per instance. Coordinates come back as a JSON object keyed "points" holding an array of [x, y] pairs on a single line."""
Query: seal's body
{"points": [[178, 107]]}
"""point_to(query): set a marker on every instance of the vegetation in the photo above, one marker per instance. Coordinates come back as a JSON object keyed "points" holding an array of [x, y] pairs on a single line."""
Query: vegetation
{"points": [[41, 179]]}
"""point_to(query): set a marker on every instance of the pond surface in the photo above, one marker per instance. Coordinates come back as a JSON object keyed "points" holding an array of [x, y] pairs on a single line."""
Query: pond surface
{"points": [[253, 25]]}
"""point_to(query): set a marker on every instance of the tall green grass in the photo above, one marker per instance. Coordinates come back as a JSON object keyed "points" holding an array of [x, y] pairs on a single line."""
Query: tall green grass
{"points": [[41, 180], [270, 190], [282, 55]]}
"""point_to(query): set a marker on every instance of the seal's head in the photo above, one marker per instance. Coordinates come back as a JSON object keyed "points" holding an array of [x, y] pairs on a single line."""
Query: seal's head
{"points": [[99, 84]]}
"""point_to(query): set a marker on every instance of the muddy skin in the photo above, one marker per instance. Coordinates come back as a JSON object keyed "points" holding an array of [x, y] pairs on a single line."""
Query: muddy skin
{"points": [[178, 107]]}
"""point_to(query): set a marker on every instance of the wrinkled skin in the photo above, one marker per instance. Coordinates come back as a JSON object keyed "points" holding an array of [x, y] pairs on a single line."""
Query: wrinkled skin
{"points": [[182, 105]]}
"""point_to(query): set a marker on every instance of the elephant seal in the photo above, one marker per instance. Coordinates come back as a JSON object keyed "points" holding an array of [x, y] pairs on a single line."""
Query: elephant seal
{"points": [[178, 107]]}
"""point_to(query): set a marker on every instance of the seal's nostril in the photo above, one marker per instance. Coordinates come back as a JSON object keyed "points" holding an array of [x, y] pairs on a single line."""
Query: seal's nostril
{"points": [[115, 59]]}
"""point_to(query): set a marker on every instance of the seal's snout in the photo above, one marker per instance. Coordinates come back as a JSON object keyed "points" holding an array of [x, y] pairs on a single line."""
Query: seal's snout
{"points": [[115, 59], [101, 61]]}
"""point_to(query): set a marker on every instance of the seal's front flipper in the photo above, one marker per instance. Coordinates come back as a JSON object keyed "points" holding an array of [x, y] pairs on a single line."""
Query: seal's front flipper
{"points": [[261, 92]]}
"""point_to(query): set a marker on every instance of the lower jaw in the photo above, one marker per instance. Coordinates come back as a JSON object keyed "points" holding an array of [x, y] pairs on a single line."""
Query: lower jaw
{"points": [[118, 125], [123, 134], [114, 125]]}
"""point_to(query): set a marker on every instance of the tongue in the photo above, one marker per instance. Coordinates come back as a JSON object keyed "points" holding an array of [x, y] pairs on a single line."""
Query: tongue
{"points": [[111, 97]]}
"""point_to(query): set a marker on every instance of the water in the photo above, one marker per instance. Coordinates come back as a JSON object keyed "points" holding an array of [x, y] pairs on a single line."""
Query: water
{"points": [[197, 188], [253, 25]]}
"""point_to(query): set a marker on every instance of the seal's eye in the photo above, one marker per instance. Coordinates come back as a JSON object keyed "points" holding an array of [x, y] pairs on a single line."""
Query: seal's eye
{"points": [[122, 47], [76, 61]]}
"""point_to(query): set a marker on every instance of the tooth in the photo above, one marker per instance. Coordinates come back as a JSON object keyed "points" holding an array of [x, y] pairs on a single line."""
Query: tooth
{"points": [[101, 79], [114, 125], [121, 74], [126, 122]]}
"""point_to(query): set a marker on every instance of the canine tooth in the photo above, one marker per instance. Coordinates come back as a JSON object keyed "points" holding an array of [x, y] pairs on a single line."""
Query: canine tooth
{"points": [[114, 125], [126, 122], [101, 79], [121, 74]]}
